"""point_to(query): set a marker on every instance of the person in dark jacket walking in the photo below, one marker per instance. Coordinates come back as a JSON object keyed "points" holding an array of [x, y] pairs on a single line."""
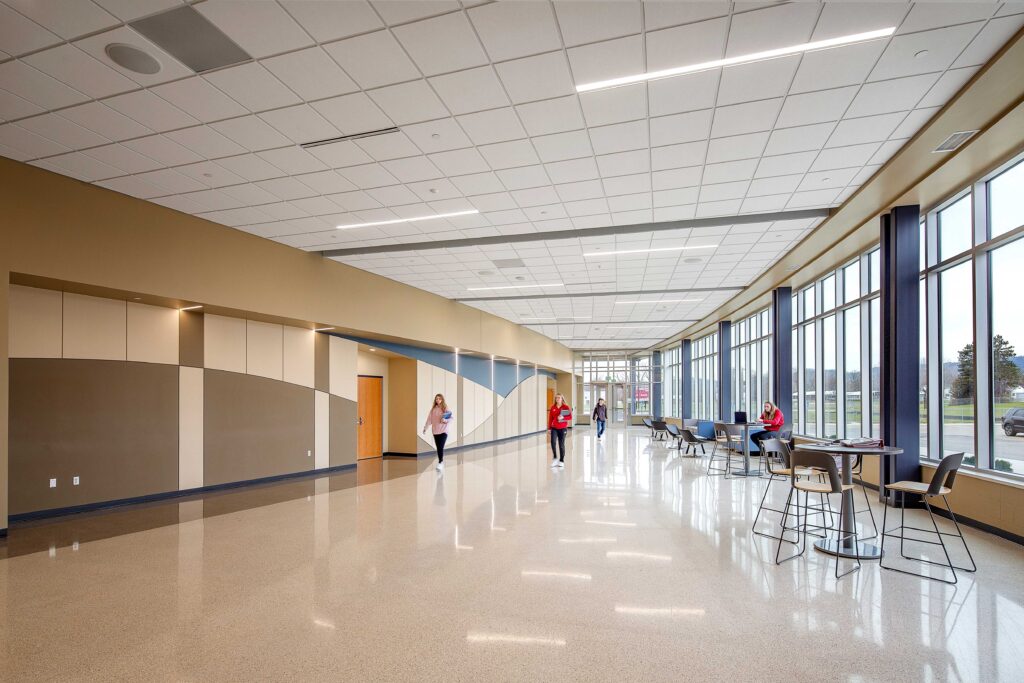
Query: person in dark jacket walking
{"points": [[600, 416]]}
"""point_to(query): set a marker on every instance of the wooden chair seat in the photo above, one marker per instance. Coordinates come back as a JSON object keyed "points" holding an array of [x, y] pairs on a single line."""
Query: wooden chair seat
{"points": [[800, 471], [915, 487], [818, 487]]}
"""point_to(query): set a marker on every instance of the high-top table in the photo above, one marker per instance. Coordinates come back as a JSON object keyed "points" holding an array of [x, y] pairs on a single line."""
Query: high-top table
{"points": [[745, 472], [846, 547]]}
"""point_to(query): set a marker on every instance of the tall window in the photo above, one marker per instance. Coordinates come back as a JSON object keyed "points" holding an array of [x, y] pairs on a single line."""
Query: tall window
{"points": [[852, 381], [704, 367], [671, 374], [1007, 357], [830, 401], [751, 372], [957, 352]]}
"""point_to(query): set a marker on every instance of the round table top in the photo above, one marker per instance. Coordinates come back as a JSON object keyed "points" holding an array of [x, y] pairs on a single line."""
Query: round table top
{"points": [[743, 424], [852, 450]]}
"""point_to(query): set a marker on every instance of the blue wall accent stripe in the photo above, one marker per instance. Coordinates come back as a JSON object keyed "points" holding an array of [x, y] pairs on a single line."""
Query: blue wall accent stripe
{"points": [[473, 368]]}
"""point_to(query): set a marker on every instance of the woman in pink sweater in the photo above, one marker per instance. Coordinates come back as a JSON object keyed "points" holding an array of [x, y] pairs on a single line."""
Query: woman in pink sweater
{"points": [[437, 421]]}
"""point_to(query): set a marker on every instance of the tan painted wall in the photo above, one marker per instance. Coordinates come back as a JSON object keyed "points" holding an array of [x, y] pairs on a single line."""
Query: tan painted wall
{"points": [[98, 237], [402, 394], [4, 294]]}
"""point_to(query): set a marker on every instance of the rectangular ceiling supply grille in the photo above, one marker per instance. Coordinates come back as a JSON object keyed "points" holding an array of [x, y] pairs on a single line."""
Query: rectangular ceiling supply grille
{"points": [[954, 141], [192, 39], [343, 138], [508, 263]]}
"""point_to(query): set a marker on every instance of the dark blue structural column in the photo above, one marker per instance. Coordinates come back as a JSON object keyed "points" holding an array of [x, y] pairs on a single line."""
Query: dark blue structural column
{"points": [[900, 262], [725, 371], [782, 351], [686, 379], [656, 378]]}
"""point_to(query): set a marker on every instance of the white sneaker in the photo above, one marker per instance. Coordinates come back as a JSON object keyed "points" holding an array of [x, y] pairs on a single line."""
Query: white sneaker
{"points": [[554, 464], [439, 467], [561, 465]]}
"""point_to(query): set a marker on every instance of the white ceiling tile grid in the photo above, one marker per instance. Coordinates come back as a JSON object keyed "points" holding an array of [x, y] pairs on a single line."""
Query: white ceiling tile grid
{"points": [[483, 95]]}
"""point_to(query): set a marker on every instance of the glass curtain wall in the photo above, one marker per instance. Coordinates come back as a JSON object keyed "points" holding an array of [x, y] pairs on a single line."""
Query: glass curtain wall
{"points": [[704, 367], [632, 372], [751, 358]]}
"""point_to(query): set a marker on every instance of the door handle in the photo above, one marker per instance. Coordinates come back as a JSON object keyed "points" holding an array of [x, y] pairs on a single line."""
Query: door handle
{"points": [[360, 423]]}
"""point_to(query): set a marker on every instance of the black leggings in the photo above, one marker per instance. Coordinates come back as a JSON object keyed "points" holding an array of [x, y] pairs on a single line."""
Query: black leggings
{"points": [[558, 437], [439, 440]]}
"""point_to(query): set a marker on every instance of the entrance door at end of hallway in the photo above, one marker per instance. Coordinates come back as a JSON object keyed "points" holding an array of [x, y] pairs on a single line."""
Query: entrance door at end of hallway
{"points": [[371, 417]]}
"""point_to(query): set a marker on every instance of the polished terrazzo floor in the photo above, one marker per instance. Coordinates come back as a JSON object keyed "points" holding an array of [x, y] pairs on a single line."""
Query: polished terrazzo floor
{"points": [[629, 564]]}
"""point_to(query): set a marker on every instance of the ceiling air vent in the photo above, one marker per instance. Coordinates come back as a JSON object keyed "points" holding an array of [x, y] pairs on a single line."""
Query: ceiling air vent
{"points": [[191, 38], [508, 263], [954, 141], [343, 138]]}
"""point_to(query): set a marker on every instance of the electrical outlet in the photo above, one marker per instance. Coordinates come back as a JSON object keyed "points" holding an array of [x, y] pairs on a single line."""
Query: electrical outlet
{"points": [[74, 481], [53, 483], [309, 454]]}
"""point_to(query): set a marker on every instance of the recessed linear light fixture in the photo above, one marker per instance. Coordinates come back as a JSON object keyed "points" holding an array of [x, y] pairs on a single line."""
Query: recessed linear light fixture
{"points": [[323, 329], [644, 251], [634, 327], [740, 59], [414, 219], [550, 284], [663, 301], [190, 308]]}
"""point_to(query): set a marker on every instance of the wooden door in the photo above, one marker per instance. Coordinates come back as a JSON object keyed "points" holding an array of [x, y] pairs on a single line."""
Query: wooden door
{"points": [[551, 402], [371, 418]]}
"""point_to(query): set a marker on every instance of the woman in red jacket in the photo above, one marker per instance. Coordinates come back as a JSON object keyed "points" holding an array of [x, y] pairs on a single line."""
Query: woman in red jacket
{"points": [[558, 423], [773, 420]]}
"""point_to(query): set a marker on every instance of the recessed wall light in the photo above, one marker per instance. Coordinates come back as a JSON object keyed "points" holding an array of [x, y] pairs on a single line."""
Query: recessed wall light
{"points": [[323, 329], [644, 251], [414, 219], [550, 284], [741, 59], [190, 308]]}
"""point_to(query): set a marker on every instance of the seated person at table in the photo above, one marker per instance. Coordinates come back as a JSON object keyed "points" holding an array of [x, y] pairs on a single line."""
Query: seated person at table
{"points": [[773, 420]]}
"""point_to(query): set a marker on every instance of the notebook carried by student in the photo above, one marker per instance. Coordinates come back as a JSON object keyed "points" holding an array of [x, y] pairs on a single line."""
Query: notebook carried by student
{"points": [[447, 415], [566, 412]]}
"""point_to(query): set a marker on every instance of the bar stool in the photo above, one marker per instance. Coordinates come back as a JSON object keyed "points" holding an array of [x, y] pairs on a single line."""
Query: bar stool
{"points": [[721, 439], [827, 464], [941, 485], [777, 462]]}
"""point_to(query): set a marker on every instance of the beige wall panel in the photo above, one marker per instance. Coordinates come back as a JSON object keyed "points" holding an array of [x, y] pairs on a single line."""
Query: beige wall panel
{"points": [[255, 427], [113, 425], [34, 327], [451, 395], [299, 352], [264, 350], [542, 403], [152, 334], [190, 428], [343, 431], [322, 419], [94, 328], [343, 368], [224, 343], [528, 407]]}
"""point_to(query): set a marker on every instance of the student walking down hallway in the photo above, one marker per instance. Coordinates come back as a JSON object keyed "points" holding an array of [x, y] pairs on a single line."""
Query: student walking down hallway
{"points": [[437, 420], [559, 419], [600, 416]]}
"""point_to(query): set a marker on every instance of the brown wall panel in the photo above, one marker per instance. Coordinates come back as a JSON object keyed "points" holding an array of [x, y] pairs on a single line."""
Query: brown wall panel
{"points": [[402, 418], [114, 424], [254, 427], [190, 338], [322, 363], [343, 431]]}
